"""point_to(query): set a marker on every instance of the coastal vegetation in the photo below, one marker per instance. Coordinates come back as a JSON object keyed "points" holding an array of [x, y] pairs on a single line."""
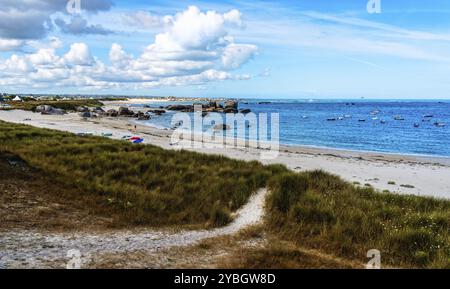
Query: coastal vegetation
{"points": [[68, 105], [147, 185], [320, 211]]}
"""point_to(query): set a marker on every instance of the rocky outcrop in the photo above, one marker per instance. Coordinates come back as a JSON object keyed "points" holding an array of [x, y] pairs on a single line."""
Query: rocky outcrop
{"points": [[49, 110], [156, 111], [112, 113], [231, 104], [98, 110], [144, 117], [85, 114], [215, 104], [141, 116], [230, 110], [82, 109], [180, 107], [125, 111]]}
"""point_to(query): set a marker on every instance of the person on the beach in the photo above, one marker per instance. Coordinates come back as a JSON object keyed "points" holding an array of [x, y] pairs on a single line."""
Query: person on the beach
{"points": [[135, 128]]}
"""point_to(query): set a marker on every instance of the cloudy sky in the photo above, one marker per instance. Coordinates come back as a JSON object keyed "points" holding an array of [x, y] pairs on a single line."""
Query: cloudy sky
{"points": [[283, 49]]}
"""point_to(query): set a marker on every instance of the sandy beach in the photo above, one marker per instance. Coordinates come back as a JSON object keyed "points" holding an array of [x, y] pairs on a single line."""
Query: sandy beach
{"points": [[419, 175]]}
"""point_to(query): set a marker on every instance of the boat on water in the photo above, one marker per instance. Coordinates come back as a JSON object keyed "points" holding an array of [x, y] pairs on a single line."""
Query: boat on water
{"points": [[416, 125], [439, 124], [382, 121], [398, 117], [331, 119], [428, 116], [361, 120]]}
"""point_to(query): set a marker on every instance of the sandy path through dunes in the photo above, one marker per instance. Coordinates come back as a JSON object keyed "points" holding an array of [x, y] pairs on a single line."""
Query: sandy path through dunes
{"points": [[25, 249]]}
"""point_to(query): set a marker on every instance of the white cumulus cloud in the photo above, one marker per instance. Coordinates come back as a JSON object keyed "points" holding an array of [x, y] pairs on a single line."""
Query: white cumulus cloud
{"points": [[193, 48]]}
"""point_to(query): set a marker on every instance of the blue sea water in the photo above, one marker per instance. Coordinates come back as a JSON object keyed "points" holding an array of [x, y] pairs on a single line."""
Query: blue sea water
{"points": [[306, 122]]}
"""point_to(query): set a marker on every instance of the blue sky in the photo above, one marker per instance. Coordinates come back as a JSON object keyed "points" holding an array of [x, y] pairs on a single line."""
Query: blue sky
{"points": [[283, 49]]}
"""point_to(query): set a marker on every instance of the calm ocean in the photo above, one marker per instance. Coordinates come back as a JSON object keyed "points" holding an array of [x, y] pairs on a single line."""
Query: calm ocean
{"points": [[394, 126]]}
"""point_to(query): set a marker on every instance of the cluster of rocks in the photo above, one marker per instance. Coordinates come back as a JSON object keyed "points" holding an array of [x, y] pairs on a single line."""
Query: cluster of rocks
{"points": [[156, 111], [49, 110], [126, 112], [230, 106], [86, 112]]}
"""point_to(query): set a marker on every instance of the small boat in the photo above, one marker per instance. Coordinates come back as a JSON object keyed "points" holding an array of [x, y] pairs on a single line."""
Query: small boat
{"points": [[439, 124], [374, 118], [340, 118], [416, 124], [361, 120], [304, 116], [106, 134], [331, 119], [138, 140], [84, 133], [375, 112], [347, 116], [382, 121], [428, 116], [398, 117], [134, 138]]}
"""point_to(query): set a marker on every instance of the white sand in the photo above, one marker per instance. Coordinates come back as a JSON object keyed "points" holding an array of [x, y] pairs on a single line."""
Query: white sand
{"points": [[430, 176]]}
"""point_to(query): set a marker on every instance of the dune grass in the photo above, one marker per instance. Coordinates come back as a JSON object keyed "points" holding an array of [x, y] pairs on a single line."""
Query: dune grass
{"points": [[148, 185], [69, 105], [320, 211]]}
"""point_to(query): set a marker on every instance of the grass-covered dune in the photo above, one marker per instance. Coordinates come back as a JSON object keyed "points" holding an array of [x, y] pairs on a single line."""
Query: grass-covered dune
{"points": [[320, 211], [147, 185]]}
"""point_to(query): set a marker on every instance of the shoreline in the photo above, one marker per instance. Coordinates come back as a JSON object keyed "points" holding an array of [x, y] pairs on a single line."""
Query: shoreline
{"points": [[419, 175], [128, 103], [321, 149]]}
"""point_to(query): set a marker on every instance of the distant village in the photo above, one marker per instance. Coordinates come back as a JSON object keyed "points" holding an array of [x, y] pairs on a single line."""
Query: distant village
{"points": [[6, 97]]}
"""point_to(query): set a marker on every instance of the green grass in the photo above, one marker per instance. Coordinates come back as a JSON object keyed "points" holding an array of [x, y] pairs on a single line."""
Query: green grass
{"points": [[320, 211], [69, 105], [147, 185]]}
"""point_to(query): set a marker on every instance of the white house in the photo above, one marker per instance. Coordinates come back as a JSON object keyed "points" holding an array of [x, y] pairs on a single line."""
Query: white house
{"points": [[17, 98]]}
